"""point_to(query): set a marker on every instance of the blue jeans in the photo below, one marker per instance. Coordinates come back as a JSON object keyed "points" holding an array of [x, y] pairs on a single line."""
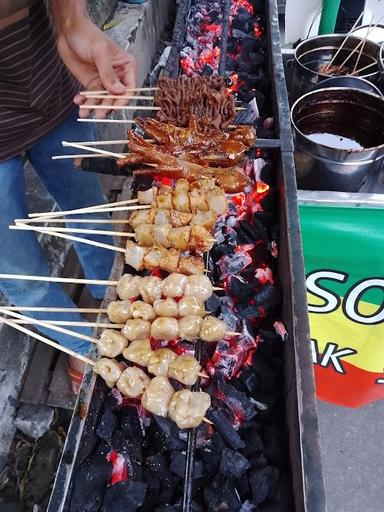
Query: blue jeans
{"points": [[20, 252]]}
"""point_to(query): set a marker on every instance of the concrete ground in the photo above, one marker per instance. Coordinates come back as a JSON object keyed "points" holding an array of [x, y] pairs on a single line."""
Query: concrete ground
{"points": [[352, 445]]}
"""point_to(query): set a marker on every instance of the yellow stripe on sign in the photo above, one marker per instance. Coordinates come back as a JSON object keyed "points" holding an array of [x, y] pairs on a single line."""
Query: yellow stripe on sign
{"points": [[367, 340]]}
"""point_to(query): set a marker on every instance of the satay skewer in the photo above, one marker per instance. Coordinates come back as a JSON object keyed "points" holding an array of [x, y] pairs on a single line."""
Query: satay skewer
{"points": [[65, 323], [56, 310], [28, 227], [129, 107], [70, 280], [47, 325], [86, 209], [47, 341], [92, 120], [67, 144], [123, 234], [42, 220]]}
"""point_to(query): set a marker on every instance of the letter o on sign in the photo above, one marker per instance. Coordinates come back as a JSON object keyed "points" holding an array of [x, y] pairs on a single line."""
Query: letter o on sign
{"points": [[352, 299]]}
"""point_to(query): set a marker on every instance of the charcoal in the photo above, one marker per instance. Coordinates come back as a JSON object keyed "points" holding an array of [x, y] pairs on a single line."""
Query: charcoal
{"points": [[224, 427], [260, 230], [240, 289], [268, 296], [233, 464], [264, 371], [284, 493], [107, 424], [252, 439], [178, 461], [258, 460], [211, 454], [127, 496], [275, 443], [247, 233], [243, 488], [250, 380], [90, 482], [247, 311], [221, 495], [264, 483], [130, 424], [247, 507], [271, 345], [236, 400], [213, 305], [263, 404], [162, 435]]}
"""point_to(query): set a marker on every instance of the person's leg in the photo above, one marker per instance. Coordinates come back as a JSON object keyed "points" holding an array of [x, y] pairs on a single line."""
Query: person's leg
{"points": [[20, 253], [72, 188]]}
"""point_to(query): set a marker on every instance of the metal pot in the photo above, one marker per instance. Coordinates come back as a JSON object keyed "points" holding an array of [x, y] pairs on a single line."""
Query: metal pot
{"points": [[348, 82], [313, 52], [339, 138]]}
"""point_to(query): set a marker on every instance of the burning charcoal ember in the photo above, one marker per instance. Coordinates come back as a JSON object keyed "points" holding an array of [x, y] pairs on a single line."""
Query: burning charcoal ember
{"points": [[131, 453], [236, 401], [264, 483], [233, 264], [225, 428], [90, 483], [233, 464], [127, 496], [178, 466], [221, 495]]}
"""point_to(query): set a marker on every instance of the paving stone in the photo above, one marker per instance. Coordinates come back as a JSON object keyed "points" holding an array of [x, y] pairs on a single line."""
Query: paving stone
{"points": [[34, 420]]}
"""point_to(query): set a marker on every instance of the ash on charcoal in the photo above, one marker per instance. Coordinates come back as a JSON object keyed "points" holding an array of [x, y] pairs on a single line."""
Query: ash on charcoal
{"points": [[235, 400], [127, 496], [34, 420], [264, 484], [233, 464], [221, 495]]}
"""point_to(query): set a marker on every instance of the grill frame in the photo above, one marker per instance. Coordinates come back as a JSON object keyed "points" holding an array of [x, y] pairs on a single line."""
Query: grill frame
{"points": [[301, 411]]}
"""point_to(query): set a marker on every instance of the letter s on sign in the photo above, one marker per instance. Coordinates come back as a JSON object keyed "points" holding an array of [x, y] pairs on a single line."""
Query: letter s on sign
{"points": [[352, 299], [331, 299]]}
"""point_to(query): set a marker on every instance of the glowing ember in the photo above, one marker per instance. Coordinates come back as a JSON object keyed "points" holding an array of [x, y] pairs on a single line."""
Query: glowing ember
{"points": [[257, 29], [240, 4], [119, 469]]}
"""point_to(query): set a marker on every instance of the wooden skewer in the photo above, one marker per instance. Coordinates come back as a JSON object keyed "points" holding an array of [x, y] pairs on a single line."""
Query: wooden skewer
{"points": [[67, 144], [91, 231], [102, 325], [92, 120], [47, 341], [70, 280], [28, 227], [345, 40], [362, 48], [119, 107], [60, 213], [117, 97], [103, 142], [55, 310], [97, 209], [52, 279], [363, 69], [104, 91], [203, 375], [78, 155], [231, 333], [206, 420], [361, 43], [50, 326], [74, 221]]}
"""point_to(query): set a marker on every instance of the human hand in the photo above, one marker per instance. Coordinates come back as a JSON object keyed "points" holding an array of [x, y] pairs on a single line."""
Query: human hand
{"points": [[97, 63]]}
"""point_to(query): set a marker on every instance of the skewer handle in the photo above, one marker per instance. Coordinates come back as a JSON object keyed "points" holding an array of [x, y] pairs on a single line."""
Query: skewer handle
{"points": [[60, 213], [47, 341], [51, 279], [55, 310]]}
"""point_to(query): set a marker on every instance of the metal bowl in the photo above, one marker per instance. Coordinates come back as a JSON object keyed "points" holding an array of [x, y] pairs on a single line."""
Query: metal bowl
{"points": [[348, 82]]}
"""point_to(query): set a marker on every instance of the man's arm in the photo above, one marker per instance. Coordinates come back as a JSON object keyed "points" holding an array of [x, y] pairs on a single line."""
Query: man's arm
{"points": [[91, 56]]}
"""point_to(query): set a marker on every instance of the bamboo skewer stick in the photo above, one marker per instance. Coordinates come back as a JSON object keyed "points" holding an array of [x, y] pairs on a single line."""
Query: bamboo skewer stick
{"points": [[70, 280], [78, 155], [94, 243], [362, 48], [345, 40], [67, 144], [129, 107], [47, 341], [102, 142], [363, 69], [361, 43], [92, 120], [117, 97], [53, 279], [91, 209], [102, 325], [91, 231], [74, 221], [130, 89], [60, 213], [47, 325], [55, 310]]}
